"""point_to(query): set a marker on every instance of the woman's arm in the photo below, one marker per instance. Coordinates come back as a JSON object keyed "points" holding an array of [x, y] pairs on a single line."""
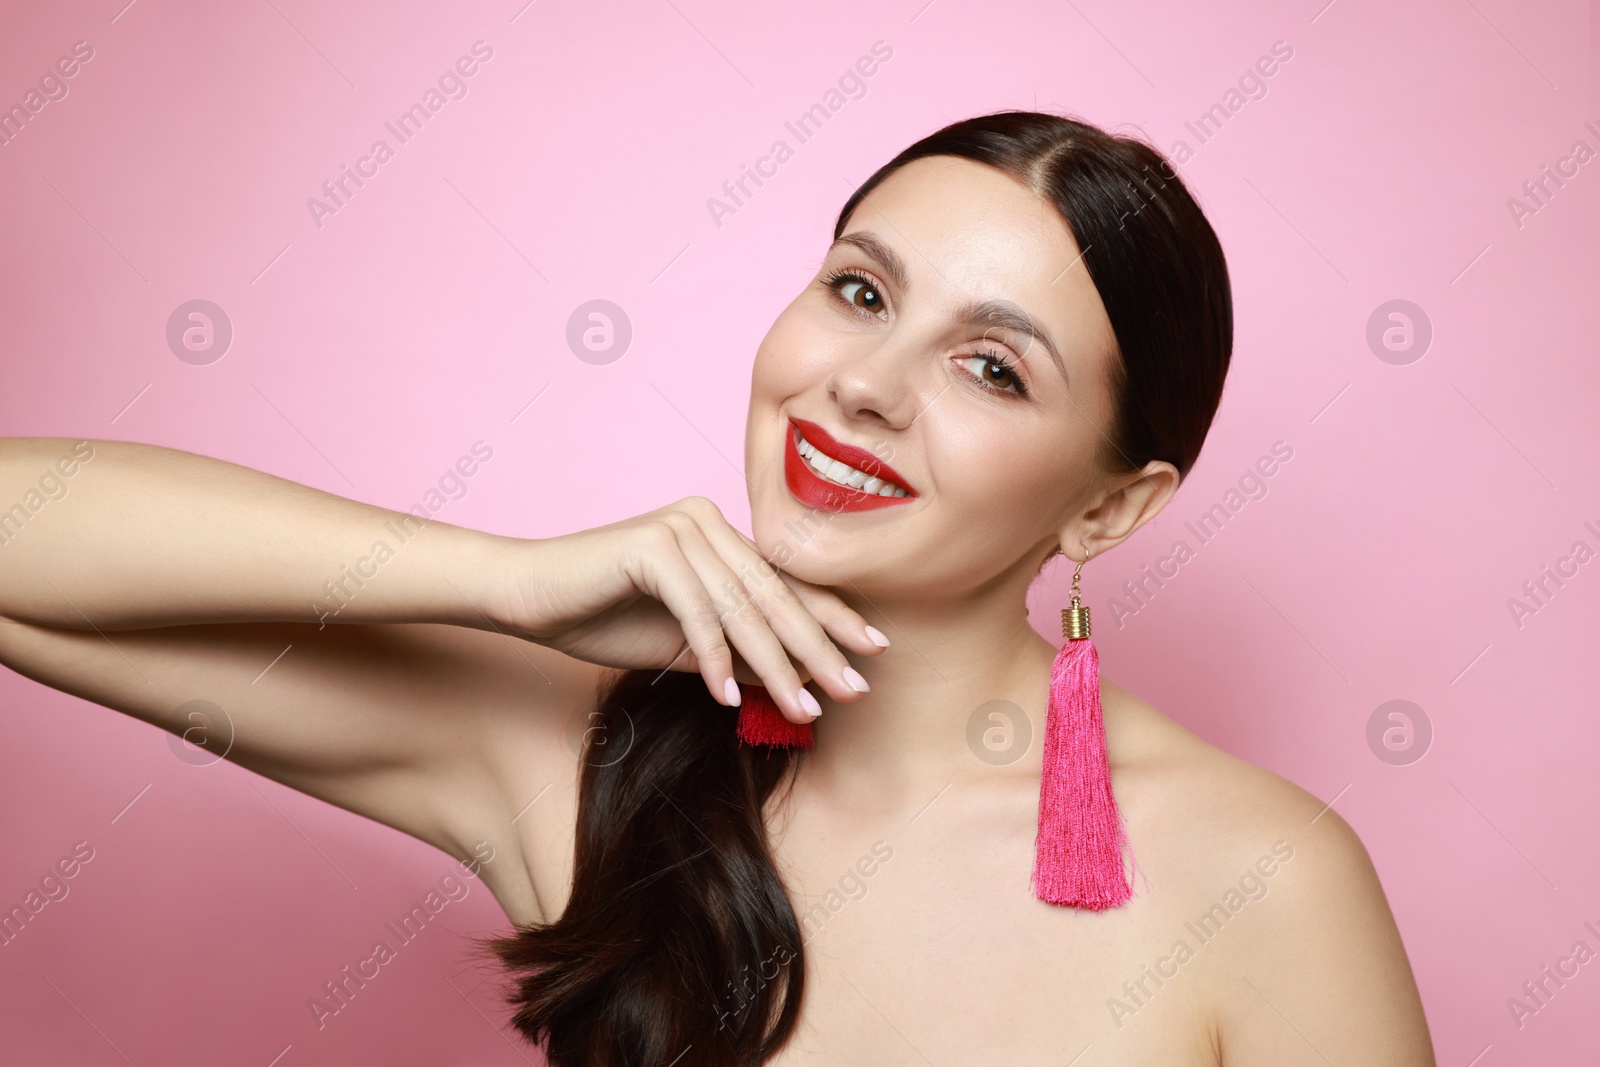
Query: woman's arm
{"points": [[192, 594], [145, 579], [147, 536], [142, 536]]}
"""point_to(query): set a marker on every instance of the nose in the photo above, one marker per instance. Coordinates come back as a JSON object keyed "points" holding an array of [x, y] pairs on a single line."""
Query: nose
{"points": [[877, 385]]}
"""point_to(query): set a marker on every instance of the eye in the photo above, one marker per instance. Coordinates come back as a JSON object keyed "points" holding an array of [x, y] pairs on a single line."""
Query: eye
{"points": [[993, 372], [856, 290]]}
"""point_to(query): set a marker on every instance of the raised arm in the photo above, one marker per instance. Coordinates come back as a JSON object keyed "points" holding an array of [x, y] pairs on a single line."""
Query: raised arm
{"points": [[296, 633], [424, 675]]}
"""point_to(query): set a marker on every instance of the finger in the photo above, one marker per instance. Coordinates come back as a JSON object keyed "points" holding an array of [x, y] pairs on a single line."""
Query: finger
{"points": [[743, 673], [747, 628], [659, 569], [842, 623], [761, 585]]}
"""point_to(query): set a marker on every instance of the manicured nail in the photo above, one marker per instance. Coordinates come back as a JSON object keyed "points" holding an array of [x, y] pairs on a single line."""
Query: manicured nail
{"points": [[853, 679], [877, 637], [809, 702], [731, 691]]}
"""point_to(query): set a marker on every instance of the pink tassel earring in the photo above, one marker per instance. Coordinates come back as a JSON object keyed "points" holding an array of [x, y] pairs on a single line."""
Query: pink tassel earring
{"points": [[761, 723], [1078, 849]]}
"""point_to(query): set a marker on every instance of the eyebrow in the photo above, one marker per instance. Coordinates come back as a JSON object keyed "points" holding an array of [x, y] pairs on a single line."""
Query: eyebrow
{"points": [[873, 246], [1002, 314]]}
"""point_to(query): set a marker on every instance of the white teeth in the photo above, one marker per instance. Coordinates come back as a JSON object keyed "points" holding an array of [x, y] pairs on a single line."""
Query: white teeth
{"points": [[844, 474]]}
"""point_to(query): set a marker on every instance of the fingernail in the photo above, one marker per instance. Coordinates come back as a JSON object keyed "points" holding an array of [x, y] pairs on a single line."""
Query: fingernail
{"points": [[731, 690], [853, 679], [809, 702], [877, 637]]}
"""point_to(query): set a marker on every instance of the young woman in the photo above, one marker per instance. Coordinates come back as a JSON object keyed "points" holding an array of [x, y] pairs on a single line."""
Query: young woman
{"points": [[1015, 347]]}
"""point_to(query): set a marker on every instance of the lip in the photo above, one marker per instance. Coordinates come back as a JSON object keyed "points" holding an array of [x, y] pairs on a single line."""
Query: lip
{"points": [[812, 489]]}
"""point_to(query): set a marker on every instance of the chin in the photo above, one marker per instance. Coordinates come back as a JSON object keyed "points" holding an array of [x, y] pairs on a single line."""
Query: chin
{"points": [[800, 540]]}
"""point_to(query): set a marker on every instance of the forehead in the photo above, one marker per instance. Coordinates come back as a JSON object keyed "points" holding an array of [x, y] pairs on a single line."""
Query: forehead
{"points": [[967, 231]]}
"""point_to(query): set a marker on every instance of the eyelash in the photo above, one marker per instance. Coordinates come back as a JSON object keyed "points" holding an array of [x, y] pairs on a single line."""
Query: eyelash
{"points": [[845, 274]]}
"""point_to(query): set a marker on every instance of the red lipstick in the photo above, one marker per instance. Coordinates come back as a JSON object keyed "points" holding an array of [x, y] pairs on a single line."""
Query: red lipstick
{"points": [[812, 489]]}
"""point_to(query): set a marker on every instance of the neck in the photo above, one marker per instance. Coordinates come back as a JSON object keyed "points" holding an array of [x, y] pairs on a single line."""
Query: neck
{"points": [[909, 737]]}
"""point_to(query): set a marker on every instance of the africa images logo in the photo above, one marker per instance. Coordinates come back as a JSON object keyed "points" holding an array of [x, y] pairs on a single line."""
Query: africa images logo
{"points": [[451, 85]]}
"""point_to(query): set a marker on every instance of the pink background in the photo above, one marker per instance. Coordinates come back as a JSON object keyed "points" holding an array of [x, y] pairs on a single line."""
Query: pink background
{"points": [[370, 352]]}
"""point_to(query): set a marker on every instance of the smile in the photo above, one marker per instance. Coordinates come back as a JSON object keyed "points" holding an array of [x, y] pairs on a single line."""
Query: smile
{"points": [[824, 473], [843, 474]]}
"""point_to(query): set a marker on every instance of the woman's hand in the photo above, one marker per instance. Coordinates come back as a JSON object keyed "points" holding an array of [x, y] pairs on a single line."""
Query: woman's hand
{"points": [[664, 590]]}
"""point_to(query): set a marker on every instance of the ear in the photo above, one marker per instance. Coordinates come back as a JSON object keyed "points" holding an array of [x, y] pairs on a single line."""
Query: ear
{"points": [[1128, 502]]}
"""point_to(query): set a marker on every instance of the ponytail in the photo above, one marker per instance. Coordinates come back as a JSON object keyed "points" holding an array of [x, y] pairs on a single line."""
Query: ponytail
{"points": [[678, 944]]}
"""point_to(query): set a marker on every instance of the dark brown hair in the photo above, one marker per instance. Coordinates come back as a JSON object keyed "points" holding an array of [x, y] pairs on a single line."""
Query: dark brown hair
{"points": [[679, 944]]}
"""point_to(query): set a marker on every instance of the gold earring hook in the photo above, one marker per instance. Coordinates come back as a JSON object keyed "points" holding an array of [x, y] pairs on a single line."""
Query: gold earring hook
{"points": [[1075, 619]]}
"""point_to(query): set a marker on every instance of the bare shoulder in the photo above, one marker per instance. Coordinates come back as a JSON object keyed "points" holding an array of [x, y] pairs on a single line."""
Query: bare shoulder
{"points": [[1211, 814], [1225, 801], [1303, 956]]}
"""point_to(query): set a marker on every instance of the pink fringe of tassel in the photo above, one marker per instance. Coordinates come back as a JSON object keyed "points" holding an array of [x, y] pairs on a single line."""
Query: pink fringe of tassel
{"points": [[761, 723], [1081, 838]]}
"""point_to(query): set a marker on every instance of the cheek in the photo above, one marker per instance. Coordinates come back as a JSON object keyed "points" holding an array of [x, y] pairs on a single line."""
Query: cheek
{"points": [[994, 506], [793, 357], [776, 375], [1016, 495], [781, 371]]}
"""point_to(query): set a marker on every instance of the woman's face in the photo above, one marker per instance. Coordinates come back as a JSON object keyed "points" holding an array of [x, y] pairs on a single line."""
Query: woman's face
{"points": [[910, 358]]}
